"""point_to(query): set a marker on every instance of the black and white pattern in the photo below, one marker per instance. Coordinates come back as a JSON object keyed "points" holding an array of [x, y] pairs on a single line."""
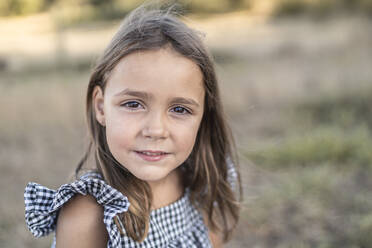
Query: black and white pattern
{"points": [[232, 175], [176, 225]]}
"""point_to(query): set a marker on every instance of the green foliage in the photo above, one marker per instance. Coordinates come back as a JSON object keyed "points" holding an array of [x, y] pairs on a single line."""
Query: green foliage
{"points": [[318, 146], [213, 6], [334, 129], [109, 9], [291, 7], [21, 7], [322, 7]]}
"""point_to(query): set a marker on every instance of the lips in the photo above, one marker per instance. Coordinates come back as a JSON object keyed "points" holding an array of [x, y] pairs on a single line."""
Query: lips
{"points": [[152, 153], [152, 156]]}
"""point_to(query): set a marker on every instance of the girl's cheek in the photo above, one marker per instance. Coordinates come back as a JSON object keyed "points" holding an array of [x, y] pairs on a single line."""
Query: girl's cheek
{"points": [[186, 133], [120, 125], [120, 118]]}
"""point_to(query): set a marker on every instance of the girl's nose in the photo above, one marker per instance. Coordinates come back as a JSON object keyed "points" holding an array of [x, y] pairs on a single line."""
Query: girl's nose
{"points": [[155, 126]]}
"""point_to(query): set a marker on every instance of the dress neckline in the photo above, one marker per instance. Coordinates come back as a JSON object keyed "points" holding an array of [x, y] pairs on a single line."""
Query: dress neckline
{"points": [[183, 200]]}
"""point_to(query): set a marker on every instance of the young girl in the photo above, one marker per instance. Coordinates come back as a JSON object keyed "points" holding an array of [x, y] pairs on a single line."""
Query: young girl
{"points": [[164, 171]]}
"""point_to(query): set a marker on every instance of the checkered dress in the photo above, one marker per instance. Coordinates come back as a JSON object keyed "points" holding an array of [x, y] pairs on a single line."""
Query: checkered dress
{"points": [[176, 225]]}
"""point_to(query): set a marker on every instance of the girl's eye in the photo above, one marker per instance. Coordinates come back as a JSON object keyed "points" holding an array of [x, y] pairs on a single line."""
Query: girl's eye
{"points": [[180, 110], [132, 105]]}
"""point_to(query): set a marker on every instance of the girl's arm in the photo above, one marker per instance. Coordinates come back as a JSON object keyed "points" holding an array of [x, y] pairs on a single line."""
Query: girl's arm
{"points": [[80, 224], [215, 237]]}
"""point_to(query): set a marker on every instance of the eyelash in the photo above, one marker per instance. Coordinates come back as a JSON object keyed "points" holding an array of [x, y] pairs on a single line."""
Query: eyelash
{"points": [[187, 112], [126, 104]]}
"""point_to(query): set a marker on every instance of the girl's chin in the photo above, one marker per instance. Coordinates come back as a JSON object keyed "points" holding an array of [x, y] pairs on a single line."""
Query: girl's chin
{"points": [[156, 176], [152, 177]]}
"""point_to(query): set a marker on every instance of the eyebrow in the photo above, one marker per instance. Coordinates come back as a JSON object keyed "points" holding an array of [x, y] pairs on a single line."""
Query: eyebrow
{"points": [[182, 100], [135, 93], [145, 95]]}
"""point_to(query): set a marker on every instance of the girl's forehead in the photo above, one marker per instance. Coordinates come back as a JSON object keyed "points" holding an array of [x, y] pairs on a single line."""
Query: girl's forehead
{"points": [[149, 61], [162, 69]]}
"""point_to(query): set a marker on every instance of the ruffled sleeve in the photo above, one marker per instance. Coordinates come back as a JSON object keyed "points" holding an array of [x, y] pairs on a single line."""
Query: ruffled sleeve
{"points": [[42, 205]]}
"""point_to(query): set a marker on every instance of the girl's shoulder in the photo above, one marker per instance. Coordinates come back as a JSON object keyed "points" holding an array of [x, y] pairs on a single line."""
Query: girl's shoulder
{"points": [[86, 203], [81, 218]]}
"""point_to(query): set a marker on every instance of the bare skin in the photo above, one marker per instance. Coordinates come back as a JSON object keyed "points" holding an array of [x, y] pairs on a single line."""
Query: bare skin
{"points": [[77, 228], [216, 240], [215, 237], [167, 191]]}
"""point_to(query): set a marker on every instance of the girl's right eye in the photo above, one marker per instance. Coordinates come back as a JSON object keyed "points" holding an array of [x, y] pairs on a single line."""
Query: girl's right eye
{"points": [[133, 105]]}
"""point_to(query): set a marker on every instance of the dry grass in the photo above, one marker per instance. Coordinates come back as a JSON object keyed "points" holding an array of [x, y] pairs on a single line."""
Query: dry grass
{"points": [[265, 67]]}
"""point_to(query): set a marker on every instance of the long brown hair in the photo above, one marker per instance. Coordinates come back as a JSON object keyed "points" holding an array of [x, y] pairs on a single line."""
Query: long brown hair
{"points": [[206, 171]]}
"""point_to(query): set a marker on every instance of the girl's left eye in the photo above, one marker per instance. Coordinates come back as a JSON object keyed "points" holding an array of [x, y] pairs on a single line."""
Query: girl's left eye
{"points": [[132, 105], [180, 110]]}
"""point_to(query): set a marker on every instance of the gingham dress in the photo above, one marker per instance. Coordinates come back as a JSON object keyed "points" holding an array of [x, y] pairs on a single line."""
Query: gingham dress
{"points": [[176, 225]]}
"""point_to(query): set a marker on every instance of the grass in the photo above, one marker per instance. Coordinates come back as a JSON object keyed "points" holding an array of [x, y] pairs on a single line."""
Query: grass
{"points": [[346, 109], [330, 128], [318, 146], [319, 207], [319, 195]]}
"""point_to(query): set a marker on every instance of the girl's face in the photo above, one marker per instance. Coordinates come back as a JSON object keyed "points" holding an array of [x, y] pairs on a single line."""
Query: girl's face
{"points": [[152, 108]]}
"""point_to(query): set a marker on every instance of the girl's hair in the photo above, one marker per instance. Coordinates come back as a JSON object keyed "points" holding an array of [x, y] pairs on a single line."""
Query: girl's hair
{"points": [[205, 171]]}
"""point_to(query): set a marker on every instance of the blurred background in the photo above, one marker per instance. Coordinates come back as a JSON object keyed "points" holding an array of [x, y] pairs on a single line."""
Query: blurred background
{"points": [[296, 80]]}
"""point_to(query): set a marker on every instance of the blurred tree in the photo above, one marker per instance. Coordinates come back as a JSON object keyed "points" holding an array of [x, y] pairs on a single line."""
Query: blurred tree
{"points": [[115, 8], [212, 5], [22, 7], [322, 7], [101, 2]]}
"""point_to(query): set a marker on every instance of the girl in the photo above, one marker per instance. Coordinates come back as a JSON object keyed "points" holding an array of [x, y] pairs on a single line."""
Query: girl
{"points": [[164, 171]]}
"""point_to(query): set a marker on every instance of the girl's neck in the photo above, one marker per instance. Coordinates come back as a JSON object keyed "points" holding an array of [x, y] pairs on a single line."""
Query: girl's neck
{"points": [[167, 191]]}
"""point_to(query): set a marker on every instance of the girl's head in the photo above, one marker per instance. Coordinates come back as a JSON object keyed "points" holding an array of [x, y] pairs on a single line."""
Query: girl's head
{"points": [[153, 106]]}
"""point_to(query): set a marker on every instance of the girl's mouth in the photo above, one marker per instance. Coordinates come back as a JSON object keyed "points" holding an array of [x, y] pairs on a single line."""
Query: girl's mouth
{"points": [[152, 156]]}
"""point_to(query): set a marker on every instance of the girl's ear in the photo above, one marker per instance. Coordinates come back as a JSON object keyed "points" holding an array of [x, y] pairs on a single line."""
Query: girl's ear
{"points": [[98, 102]]}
